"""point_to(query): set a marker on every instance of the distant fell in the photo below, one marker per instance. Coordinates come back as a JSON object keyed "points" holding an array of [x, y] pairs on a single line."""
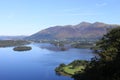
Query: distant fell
{"points": [[12, 37], [83, 30]]}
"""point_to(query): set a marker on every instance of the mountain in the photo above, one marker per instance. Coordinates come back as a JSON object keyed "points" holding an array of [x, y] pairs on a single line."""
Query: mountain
{"points": [[12, 37], [83, 30]]}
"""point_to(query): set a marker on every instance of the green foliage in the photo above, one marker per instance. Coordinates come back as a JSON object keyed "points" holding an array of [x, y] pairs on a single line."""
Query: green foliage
{"points": [[77, 63], [60, 68], [82, 45], [108, 66], [109, 45], [62, 65]]}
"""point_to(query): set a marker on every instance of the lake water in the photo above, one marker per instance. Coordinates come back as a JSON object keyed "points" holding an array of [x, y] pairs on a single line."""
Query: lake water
{"points": [[38, 63]]}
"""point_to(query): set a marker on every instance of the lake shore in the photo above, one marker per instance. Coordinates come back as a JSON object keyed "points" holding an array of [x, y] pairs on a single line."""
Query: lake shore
{"points": [[72, 68]]}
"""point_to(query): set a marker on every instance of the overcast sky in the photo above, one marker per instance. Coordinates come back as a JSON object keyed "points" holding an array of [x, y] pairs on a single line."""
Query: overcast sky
{"points": [[25, 17]]}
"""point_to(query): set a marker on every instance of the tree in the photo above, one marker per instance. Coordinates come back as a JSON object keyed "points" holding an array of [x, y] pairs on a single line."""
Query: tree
{"points": [[109, 45], [107, 67]]}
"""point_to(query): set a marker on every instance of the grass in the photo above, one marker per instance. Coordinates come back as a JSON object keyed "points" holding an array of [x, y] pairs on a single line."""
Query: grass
{"points": [[72, 68], [69, 70]]}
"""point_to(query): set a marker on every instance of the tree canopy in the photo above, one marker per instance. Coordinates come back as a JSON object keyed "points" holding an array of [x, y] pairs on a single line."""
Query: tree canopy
{"points": [[107, 67]]}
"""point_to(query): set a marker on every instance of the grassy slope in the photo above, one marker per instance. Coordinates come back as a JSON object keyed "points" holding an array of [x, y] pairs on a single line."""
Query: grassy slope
{"points": [[72, 68], [68, 69]]}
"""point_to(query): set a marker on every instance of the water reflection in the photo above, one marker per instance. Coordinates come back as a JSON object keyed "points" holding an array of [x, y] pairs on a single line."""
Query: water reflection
{"points": [[53, 47]]}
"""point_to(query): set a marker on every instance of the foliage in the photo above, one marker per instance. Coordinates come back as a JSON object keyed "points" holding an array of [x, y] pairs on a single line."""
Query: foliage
{"points": [[110, 45], [107, 67], [77, 63], [82, 45]]}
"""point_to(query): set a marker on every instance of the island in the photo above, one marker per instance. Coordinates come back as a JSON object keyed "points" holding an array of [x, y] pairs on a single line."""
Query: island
{"points": [[22, 48]]}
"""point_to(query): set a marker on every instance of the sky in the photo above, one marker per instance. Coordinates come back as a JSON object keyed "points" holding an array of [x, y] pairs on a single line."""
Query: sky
{"points": [[26, 17]]}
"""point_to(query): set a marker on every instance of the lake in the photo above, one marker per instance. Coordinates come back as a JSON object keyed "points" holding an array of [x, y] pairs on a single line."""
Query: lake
{"points": [[38, 63]]}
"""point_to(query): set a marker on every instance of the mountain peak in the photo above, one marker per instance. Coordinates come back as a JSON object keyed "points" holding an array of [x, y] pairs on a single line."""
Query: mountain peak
{"points": [[82, 30], [84, 22], [99, 23]]}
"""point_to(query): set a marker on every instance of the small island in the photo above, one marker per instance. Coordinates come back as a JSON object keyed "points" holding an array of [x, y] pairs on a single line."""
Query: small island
{"points": [[22, 48], [72, 68]]}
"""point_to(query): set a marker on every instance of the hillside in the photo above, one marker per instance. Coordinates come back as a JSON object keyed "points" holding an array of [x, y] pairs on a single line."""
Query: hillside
{"points": [[83, 30], [12, 37]]}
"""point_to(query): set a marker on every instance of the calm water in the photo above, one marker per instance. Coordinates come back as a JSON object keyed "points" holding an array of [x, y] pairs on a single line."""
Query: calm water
{"points": [[37, 64]]}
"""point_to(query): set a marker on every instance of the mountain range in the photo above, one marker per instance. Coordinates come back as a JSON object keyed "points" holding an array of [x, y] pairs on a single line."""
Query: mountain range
{"points": [[82, 30], [12, 37]]}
